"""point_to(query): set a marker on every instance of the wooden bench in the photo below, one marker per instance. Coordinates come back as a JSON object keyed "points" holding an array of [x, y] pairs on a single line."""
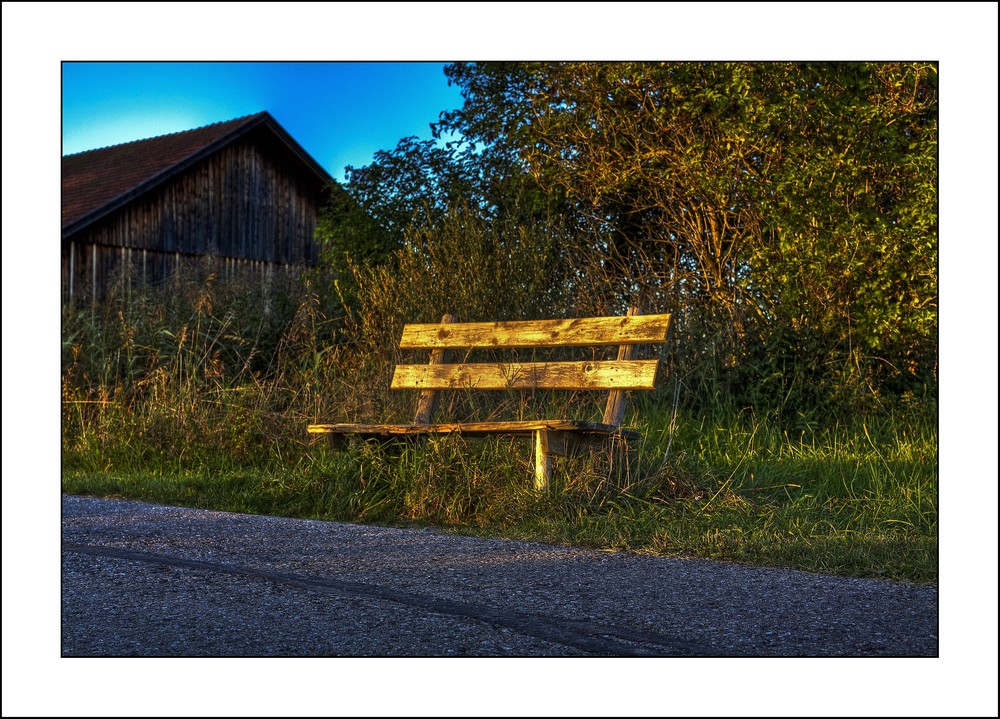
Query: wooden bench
{"points": [[552, 437]]}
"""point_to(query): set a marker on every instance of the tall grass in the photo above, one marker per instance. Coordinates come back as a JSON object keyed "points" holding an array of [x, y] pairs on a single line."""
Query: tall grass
{"points": [[199, 393]]}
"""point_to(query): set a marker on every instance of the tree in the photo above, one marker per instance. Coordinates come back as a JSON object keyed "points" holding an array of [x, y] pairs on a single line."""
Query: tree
{"points": [[784, 212], [346, 232], [631, 148], [782, 203], [852, 205]]}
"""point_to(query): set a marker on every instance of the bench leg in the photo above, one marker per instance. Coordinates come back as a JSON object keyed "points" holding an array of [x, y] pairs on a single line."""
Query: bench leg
{"points": [[548, 444]]}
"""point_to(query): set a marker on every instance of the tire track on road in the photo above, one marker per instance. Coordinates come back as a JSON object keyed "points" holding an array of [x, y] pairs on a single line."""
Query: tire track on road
{"points": [[588, 636]]}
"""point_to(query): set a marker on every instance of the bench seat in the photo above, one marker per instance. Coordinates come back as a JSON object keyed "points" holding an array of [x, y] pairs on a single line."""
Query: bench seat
{"points": [[473, 429]]}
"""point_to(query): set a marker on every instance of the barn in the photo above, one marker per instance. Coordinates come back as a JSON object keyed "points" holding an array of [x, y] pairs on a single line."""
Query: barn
{"points": [[241, 196]]}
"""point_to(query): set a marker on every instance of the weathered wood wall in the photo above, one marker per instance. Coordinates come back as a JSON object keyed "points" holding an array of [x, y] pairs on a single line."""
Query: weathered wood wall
{"points": [[248, 205]]}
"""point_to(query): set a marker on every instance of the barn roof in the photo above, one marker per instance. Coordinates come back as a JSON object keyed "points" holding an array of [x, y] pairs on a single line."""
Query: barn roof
{"points": [[97, 182]]}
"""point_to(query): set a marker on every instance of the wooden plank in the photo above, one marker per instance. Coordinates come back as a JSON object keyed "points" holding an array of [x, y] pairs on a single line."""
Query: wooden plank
{"points": [[428, 397], [548, 444], [470, 428], [584, 332], [632, 374], [614, 410]]}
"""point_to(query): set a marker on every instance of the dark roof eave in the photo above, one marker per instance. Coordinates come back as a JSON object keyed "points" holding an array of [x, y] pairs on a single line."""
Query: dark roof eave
{"points": [[167, 173]]}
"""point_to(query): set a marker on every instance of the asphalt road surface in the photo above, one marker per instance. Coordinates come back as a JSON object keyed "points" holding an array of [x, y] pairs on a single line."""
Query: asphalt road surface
{"points": [[148, 580]]}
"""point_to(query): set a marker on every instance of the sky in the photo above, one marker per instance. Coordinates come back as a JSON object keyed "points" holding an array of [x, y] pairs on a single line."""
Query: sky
{"points": [[40, 38], [341, 113]]}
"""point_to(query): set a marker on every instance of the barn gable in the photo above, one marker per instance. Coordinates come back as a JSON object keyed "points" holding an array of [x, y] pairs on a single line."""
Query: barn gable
{"points": [[241, 192]]}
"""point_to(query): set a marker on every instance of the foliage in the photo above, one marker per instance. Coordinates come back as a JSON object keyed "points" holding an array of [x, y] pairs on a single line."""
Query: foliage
{"points": [[414, 185], [784, 213], [855, 255], [767, 204], [347, 232], [194, 368], [462, 264]]}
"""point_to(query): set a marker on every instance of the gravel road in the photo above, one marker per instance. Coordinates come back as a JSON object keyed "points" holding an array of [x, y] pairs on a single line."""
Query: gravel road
{"points": [[147, 580]]}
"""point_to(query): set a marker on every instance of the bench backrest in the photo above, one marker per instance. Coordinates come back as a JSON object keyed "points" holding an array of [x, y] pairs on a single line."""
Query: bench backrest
{"points": [[616, 376]]}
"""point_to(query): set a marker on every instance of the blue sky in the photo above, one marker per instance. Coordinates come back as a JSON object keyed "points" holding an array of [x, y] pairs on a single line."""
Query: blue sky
{"points": [[340, 112]]}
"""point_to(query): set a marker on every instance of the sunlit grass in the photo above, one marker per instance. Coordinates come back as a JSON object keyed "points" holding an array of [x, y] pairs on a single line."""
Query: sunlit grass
{"points": [[204, 403], [844, 502]]}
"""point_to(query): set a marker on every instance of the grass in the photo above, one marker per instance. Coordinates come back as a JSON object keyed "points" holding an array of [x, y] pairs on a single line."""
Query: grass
{"points": [[854, 500], [200, 397]]}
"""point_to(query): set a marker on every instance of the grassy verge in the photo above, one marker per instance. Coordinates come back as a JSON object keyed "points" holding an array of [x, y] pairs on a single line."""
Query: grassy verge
{"points": [[858, 500], [198, 394]]}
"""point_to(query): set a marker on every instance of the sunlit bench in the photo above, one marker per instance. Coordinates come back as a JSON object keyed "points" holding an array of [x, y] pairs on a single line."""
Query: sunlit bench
{"points": [[552, 437]]}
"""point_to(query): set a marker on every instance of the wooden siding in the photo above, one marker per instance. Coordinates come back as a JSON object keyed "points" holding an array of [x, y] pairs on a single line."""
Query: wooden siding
{"points": [[248, 205], [96, 268]]}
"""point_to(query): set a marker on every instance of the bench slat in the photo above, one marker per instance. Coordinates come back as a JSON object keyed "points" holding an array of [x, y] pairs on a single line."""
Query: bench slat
{"points": [[630, 374], [428, 397], [614, 409], [469, 428], [583, 332]]}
